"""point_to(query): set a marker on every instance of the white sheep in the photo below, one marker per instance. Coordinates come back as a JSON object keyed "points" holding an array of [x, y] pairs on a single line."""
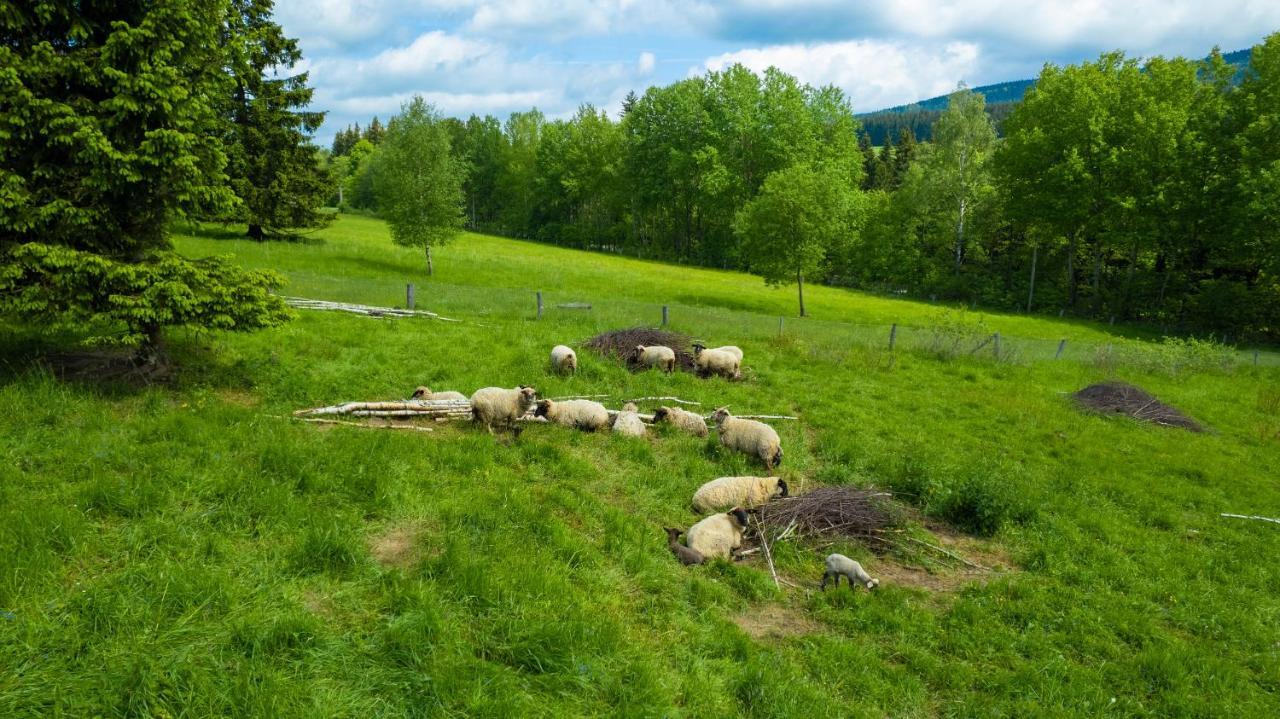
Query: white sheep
{"points": [[658, 356], [425, 393], [839, 565], [579, 413], [628, 422], [564, 359], [715, 362], [725, 492], [731, 349], [749, 437], [688, 421], [719, 534], [495, 406]]}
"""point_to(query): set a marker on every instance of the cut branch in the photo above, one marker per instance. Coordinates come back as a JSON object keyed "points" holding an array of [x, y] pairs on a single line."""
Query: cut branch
{"points": [[677, 400], [1251, 516], [367, 310]]}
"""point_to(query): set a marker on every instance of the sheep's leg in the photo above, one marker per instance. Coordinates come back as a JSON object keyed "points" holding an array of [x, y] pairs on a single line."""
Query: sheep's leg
{"points": [[825, 576]]}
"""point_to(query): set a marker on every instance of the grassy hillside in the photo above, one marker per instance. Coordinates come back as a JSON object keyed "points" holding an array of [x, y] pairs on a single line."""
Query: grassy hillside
{"points": [[186, 551]]}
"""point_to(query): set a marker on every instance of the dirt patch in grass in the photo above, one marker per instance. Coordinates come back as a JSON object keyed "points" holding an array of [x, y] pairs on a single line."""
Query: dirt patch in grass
{"points": [[397, 547], [238, 397], [774, 621], [1131, 401]]}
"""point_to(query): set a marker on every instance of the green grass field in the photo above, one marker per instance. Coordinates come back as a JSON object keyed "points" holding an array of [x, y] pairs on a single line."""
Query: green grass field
{"points": [[184, 550]]}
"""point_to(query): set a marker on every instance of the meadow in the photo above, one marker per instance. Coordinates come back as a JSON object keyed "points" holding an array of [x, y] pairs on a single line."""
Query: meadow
{"points": [[185, 549]]}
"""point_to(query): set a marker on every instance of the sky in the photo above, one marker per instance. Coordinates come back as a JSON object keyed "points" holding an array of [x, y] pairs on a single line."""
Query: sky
{"points": [[366, 57]]}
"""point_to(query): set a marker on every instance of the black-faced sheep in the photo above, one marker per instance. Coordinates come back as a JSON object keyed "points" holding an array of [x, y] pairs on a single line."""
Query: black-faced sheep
{"points": [[426, 393], [715, 362], [718, 535], [578, 413], [564, 359], [658, 356], [839, 565], [684, 554], [498, 407], [628, 422], [725, 492], [749, 437], [687, 421]]}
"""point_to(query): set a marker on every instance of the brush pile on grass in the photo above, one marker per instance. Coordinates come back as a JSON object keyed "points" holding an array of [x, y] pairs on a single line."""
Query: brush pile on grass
{"points": [[831, 512], [1121, 398], [620, 343]]}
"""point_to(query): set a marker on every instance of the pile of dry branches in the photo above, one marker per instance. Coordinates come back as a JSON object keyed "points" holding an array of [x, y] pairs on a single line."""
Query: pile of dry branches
{"points": [[1121, 398], [835, 512], [619, 343]]}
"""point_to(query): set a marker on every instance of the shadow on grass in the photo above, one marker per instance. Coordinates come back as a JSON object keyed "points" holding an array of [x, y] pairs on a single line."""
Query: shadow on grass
{"points": [[218, 231]]}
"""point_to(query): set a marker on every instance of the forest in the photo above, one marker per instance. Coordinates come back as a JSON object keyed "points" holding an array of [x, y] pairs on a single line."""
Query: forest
{"points": [[1118, 190]]}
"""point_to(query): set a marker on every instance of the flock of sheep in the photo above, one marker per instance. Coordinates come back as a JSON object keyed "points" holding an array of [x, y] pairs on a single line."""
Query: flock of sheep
{"points": [[717, 535]]}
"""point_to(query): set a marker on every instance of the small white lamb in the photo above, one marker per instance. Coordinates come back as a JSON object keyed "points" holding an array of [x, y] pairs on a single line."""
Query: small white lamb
{"points": [[839, 565]]}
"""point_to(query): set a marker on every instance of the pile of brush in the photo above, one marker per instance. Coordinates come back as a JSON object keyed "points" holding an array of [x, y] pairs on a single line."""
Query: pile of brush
{"points": [[620, 343], [833, 512]]}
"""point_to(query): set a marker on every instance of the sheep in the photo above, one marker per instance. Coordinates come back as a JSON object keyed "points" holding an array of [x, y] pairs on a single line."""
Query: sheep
{"points": [[749, 437], [684, 554], [580, 413], [495, 406], [628, 423], [715, 362], [839, 565], [654, 356], [563, 358], [685, 420], [426, 394], [719, 534], [725, 492]]}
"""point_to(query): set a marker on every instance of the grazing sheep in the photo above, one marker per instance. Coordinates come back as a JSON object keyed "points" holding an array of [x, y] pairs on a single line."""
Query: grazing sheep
{"points": [[495, 406], [426, 393], [628, 422], [685, 420], [563, 358], [684, 554], [720, 494], [719, 534], [749, 437], [654, 356], [839, 565], [731, 349], [579, 413], [715, 362]]}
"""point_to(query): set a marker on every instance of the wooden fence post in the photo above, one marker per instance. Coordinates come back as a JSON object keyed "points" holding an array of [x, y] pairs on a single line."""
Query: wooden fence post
{"points": [[539, 304], [664, 316], [1255, 358], [1061, 346], [779, 325], [893, 335], [408, 296], [997, 345]]}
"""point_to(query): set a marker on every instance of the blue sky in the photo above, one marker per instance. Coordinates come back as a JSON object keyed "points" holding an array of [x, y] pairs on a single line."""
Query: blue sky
{"points": [[366, 57]]}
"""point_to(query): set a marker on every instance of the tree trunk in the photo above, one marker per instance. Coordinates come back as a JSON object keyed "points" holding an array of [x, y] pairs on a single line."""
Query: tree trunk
{"points": [[151, 350], [1097, 278], [1031, 293], [431, 270], [1071, 272], [340, 199], [800, 286], [255, 232], [960, 237]]}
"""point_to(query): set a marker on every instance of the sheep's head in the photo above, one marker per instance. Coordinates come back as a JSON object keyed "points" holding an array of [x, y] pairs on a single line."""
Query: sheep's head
{"points": [[697, 348], [672, 533], [739, 515], [720, 415], [528, 396], [421, 393], [630, 407], [782, 487], [634, 354], [543, 407], [661, 414], [872, 584]]}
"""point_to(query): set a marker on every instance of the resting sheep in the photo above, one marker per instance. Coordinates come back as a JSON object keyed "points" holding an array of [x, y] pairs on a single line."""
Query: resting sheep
{"points": [[628, 422], [684, 420], [722, 361], [749, 437], [684, 554], [564, 359], [839, 565], [579, 413], [658, 356], [725, 492], [719, 534], [427, 394], [495, 406]]}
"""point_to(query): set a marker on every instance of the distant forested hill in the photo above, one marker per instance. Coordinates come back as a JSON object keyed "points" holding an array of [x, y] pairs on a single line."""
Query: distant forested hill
{"points": [[1001, 99]]}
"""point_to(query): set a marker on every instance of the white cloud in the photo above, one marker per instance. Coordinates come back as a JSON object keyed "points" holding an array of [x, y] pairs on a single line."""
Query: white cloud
{"points": [[646, 63], [875, 74]]}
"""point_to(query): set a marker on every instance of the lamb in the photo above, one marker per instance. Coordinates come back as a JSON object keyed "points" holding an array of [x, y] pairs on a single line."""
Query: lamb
{"points": [[426, 394], [654, 356], [683, 419], [725, 492], [839, 565], [684, 554], [749, 437], [719, 534], [495, 406], [563, 358], [628, 422], [580, 413], [716, 362]]}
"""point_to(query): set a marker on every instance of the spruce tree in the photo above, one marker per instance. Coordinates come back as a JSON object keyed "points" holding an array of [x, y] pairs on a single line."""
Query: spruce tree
{"points": [[903, 156], [868, 161], [375, 132], [272, 163], [886, 166]]}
